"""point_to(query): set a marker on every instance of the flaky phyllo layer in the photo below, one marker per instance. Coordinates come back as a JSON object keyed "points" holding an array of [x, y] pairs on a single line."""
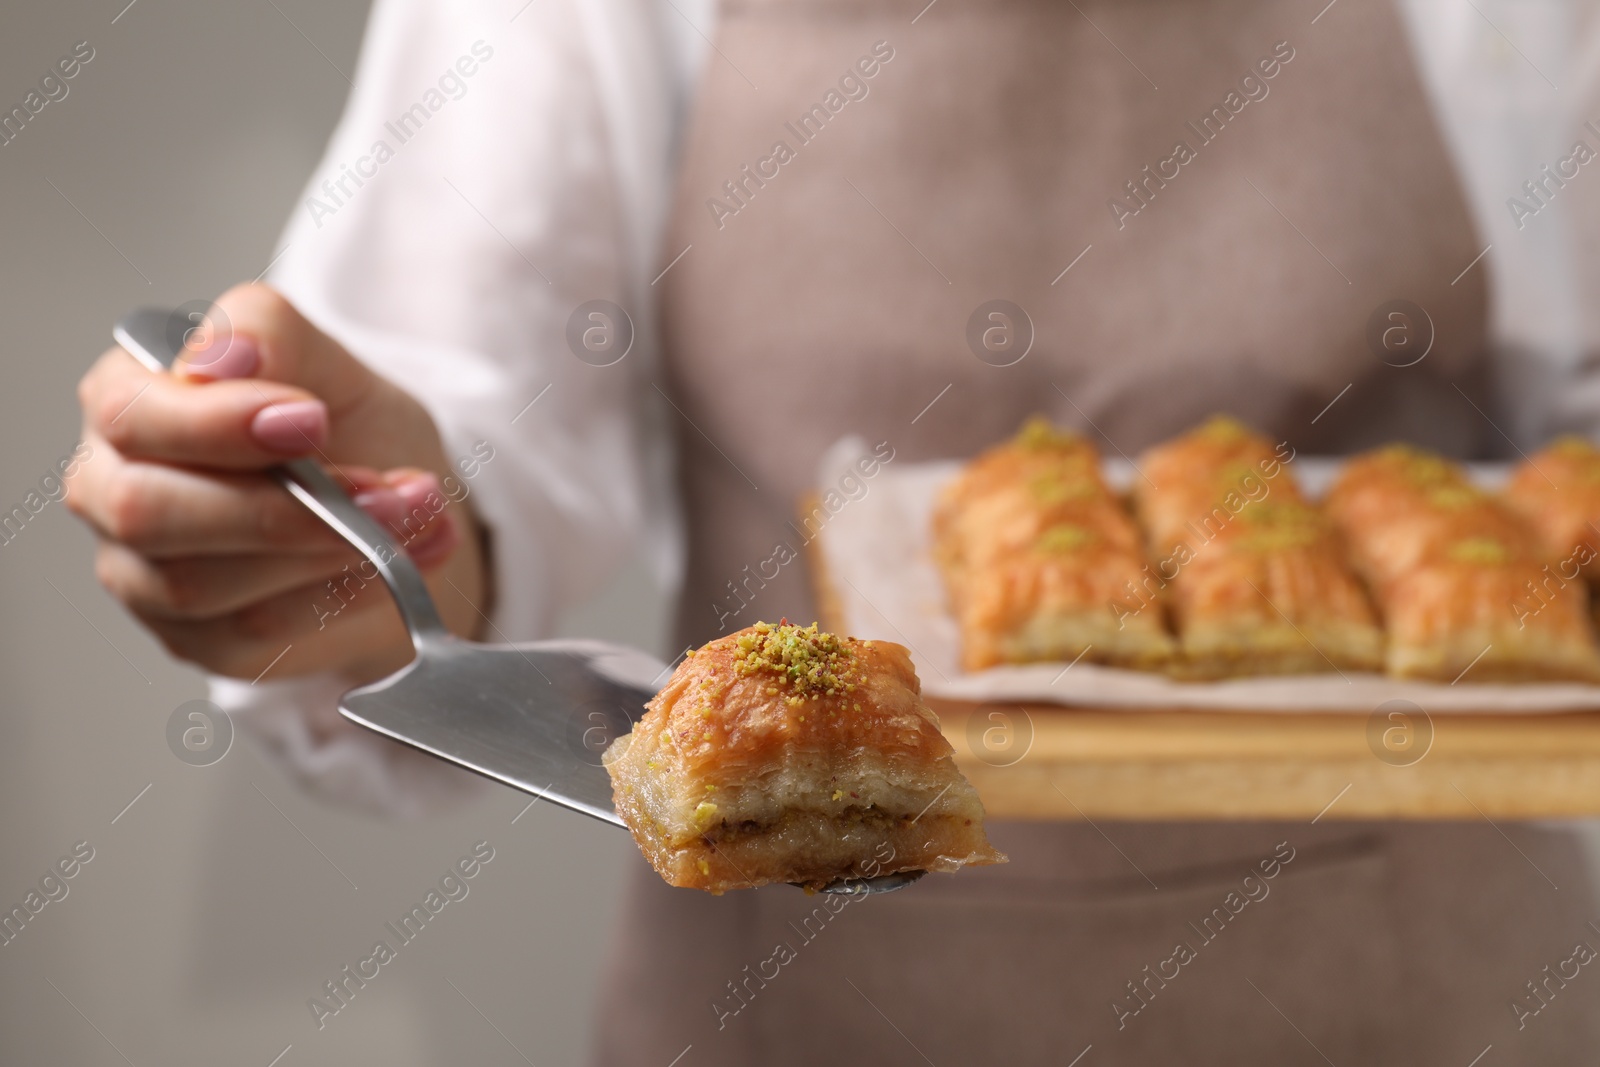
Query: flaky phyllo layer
{"points": [[782, 754]]}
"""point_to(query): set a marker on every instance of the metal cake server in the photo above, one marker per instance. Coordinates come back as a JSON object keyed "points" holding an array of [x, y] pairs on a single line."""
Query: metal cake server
{"points": [[534, 716]]}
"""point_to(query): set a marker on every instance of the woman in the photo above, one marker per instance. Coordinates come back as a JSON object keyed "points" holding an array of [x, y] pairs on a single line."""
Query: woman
{"points": [[1195, 207]]}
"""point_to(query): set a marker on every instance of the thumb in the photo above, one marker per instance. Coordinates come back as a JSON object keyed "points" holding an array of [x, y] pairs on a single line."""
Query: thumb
{"points": [[253, 331]]}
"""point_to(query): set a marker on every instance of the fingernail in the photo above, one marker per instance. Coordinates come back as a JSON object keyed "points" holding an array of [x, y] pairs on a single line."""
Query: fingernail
{"points": [[292, 428], [230, 356], [383, 504], [427, 532], [437, 545], [423, 491]]}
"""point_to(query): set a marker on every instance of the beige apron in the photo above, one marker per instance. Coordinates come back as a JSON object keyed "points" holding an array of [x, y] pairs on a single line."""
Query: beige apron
{"points": [[936, 159]]}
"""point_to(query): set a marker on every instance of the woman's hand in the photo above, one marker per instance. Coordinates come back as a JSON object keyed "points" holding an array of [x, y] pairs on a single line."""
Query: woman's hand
{"points": [[222, 564]]}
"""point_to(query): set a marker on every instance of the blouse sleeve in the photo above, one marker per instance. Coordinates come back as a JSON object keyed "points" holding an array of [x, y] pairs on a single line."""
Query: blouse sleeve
{"points": [[481, 231]]}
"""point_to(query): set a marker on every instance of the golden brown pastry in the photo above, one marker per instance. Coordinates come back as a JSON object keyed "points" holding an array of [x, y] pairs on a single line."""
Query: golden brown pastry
{"points": [[1400, 507], [1255, 576], [1449, 565], [1557, 492], [1192, 486], [781, 754], [1036, 550]]}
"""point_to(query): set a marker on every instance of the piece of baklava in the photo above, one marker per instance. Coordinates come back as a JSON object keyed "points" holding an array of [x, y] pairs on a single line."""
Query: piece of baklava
{"points": [[1036, 551], [1452, 568], [1195, 483], [1254, 574], [782, 754], [1557, 492]]}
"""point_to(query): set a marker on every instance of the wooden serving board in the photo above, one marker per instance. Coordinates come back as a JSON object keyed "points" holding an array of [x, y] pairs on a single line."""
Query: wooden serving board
{"points": [[1052, 762], [1098, 764]]}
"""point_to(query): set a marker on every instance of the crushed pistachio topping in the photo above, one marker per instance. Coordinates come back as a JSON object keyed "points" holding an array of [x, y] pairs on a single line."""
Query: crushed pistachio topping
{"points": [[838, 794], [705, 813], [808, 662], [1576, 447], [1279, 513], [1581, 452], [1065, 537], [1484, 550], [1419, 466], [1040, 432], [1280, 538], [1222, 428], [1234, 473], [1063, 486], [1454, 496], [705, 868]]}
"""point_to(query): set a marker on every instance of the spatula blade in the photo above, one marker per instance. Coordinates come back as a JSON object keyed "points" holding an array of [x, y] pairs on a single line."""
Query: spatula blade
{"points": [[535, 717]]}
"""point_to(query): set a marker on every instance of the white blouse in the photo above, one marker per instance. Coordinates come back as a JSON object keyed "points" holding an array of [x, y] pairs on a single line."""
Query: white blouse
{"points": [[500, 163]]}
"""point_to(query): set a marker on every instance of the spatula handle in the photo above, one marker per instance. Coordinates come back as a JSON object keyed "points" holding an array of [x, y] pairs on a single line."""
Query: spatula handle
{"points": [[154, 336]]}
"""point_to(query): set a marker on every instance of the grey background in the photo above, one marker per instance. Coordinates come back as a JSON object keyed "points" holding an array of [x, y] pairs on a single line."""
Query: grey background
{"points": [[205, 919], [218, 903]]}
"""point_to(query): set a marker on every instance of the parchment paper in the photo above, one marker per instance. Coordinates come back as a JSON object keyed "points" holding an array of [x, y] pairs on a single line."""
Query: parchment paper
{"points": [[876, 550]]}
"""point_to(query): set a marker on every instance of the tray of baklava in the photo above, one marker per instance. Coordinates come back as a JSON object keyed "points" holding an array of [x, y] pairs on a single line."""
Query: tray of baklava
{"points": [[1221, 569]]}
